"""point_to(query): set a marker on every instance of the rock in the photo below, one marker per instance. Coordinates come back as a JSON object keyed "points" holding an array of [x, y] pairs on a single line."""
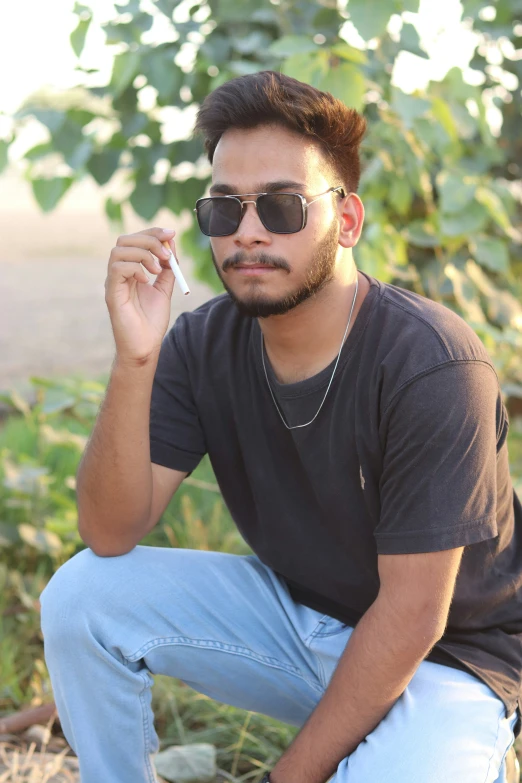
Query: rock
{"points": [[187, 763], [39, 734]]}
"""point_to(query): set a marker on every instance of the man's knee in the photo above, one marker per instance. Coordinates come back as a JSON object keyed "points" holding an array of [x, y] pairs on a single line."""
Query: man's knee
{"points": [[75, 591]]}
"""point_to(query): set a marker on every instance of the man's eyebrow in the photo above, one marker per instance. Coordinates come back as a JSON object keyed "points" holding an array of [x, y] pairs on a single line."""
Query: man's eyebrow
{"points": [[261, 187]]}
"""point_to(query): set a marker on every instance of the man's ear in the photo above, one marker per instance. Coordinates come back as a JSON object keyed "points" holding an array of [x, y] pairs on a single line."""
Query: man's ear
{"points": [[351, 214]]}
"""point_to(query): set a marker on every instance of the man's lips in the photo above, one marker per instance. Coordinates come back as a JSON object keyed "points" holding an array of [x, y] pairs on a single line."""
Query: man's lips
{"points": [[254, 269]]}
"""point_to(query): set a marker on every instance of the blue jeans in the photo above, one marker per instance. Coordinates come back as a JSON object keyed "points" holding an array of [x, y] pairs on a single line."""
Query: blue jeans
{"points": [[226, 625]]}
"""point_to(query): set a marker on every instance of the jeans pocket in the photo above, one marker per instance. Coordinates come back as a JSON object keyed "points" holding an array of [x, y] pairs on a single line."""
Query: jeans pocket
{"points": [[327, 643], [329, 626]]}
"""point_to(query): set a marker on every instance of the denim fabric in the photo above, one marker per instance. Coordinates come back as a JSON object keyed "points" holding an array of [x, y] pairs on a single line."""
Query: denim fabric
{"points": [[226, 625]]}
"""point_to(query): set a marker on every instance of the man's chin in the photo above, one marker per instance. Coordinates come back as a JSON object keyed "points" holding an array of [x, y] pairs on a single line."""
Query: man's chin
{"points": [[259, 308], [263, 307]]}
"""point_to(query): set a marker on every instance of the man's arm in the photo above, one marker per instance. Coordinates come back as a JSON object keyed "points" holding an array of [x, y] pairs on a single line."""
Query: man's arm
{"points": [[383, 653]]}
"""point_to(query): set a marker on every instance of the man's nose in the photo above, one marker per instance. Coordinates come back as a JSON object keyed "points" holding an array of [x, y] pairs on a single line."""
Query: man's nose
{"points": [[250, 228]]}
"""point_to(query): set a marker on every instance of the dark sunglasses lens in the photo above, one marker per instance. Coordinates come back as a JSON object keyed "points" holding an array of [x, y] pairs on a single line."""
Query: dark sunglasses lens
{"points": [[218, 217], [281, 213]]}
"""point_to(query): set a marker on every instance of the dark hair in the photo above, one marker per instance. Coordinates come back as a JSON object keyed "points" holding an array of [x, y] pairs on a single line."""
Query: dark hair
{"points": [[269, 97]]}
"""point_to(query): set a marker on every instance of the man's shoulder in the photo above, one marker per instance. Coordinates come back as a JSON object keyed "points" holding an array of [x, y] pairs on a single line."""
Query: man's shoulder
{"points": [[431, 331]]}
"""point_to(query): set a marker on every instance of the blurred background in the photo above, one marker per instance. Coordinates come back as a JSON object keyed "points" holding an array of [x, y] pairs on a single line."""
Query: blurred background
{"points": [[97, 105]]}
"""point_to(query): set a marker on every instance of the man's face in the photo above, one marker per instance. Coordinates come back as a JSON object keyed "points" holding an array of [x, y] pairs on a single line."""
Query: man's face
{"points": [[295, 266]]}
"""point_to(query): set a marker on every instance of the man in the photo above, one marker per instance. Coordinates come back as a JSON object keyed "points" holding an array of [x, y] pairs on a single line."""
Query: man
{"points": [[358, 436]]}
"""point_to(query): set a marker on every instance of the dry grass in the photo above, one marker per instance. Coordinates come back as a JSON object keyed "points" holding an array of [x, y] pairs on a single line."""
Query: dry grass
{"points": [[32, 762], [31, 766]]}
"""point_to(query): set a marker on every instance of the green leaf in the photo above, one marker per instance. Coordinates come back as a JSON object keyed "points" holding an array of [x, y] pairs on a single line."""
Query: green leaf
{"points": [[130, 7], [39, 151], [81, 116], [67, 137], [102, 165], [408, 107], [113, 211], [469, 221], [147, 199], [292, 44], [308, 68], [491, 253], [433, 135], [495, 207], [142, 21], [252, 44], [347, 52], [18, 402], [48, 192], [78, 35], [80, 155], [410, 41], [421, 234], [174, 198], [400, 196], [162, 73], [186, 150], [196, 246], [42, 540], [370, 18], [133, 123], [124, 70], [4, 160], [121, 32], [242, 67], [456, 191], [442, 112], [9, 535], [183, 195], [167, 7], [145, 158], [216, 49], [465, 294], [50, 118], [346, 82]]}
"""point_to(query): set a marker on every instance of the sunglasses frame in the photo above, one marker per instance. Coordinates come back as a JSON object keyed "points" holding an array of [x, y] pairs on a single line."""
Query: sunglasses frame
{"points": [[236, 196]]}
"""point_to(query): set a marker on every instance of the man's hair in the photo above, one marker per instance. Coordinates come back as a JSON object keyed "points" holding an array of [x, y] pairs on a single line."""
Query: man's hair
{"points": [[271, 98]]}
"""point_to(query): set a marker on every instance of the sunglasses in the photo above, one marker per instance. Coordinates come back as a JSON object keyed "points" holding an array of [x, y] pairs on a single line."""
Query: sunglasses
{"points": [[280, 213]]}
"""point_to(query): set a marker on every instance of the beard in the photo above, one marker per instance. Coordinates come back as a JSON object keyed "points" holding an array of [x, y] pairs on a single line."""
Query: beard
{"points": [[319, 274]]}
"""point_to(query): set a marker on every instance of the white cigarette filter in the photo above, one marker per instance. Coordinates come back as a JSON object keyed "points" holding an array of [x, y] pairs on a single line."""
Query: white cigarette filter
{"points": [[178, 274]]}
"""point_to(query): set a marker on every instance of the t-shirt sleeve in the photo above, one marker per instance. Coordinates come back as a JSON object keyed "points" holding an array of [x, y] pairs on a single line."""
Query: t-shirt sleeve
{"points": [[176, 437], [438, 484]]}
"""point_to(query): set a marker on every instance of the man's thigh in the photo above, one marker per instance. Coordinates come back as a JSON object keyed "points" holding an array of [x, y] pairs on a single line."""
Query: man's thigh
{"points": [[447, 726], [225, 624], [237, 635]]}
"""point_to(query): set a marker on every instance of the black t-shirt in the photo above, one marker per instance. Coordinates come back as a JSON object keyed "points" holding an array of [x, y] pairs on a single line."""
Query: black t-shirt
{"points": [[408, 454]]}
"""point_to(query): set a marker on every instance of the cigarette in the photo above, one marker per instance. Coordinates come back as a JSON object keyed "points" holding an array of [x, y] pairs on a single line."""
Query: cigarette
{"points": [[177, 271]]}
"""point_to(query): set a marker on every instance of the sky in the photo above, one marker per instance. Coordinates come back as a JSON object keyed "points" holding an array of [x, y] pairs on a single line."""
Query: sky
{"points": [[35, 49]]}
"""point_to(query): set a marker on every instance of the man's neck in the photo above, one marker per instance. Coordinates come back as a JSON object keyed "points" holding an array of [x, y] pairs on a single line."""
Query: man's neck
{"points": [[307, 339]]}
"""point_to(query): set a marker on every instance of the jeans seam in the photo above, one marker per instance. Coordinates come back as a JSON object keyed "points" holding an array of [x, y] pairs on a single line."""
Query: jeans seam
{"points": [[146, 731], [230, 648], [316, 634], [494, 749]]}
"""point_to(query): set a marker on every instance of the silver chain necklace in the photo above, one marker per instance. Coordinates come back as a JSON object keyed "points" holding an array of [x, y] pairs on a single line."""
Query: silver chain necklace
{"points": [[296, 426]]}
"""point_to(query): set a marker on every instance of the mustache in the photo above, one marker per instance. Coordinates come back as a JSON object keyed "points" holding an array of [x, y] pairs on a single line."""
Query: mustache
{"points": [[240, 257]]}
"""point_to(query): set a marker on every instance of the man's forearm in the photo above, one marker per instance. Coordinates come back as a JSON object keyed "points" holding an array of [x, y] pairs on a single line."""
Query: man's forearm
{"points": [[375, 668], [114, 478]]}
